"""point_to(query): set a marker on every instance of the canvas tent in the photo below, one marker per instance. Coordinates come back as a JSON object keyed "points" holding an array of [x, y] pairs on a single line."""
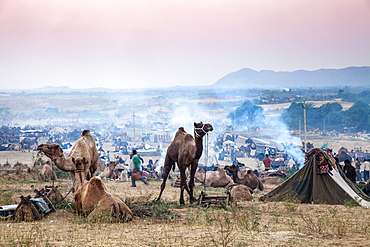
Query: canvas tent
{"points": [[319, 181]]}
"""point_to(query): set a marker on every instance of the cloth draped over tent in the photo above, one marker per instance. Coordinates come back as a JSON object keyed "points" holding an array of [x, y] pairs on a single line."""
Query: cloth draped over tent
{"points": [[319, 181]]}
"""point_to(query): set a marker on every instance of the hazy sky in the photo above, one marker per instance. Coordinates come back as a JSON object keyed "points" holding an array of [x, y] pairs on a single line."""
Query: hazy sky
{"points": [[149, 43]]}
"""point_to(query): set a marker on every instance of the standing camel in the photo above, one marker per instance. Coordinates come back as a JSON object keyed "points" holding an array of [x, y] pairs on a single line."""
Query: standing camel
{"points": [[85, 147], [186, 151]]}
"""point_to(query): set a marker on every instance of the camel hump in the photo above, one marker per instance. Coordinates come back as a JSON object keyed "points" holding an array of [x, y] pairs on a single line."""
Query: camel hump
{"points": [[97, 183], [181, 129], [86, 132], [188, 137]]}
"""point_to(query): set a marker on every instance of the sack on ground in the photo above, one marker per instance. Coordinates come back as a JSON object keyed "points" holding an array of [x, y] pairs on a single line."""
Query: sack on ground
{"points": [[136, 176]]}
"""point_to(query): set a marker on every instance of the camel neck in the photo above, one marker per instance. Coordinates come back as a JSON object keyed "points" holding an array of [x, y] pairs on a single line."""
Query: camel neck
{"points": [[235, 176], [199, 145], [80, 178], [64, 164]]}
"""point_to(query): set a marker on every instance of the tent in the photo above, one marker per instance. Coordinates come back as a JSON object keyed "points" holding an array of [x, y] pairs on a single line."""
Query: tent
{"points": [[319, 181]]}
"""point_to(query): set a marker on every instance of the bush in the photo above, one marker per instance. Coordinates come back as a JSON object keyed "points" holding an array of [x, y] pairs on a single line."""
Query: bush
{"points": [[153, 209]]}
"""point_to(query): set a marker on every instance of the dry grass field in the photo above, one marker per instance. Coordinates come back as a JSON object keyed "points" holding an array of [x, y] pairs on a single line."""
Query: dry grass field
{"points": [[249, 224], [167, 223]]}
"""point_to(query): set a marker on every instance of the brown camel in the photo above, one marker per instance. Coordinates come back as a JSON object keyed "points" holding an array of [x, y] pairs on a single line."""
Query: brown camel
{"points": [[93, 199], [247, 178], [84, 147], [47, 172], [109, 172], [52, 193], [241, 193], [185, 150], [217, 178]]}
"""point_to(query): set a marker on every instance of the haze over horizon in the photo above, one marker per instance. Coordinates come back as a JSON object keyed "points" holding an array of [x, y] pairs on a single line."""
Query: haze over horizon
{"points": [[148, 44]]}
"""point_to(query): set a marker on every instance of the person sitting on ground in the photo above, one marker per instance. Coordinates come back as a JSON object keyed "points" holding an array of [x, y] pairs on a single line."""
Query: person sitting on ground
{"points": [[349, 171], [150, 164]]}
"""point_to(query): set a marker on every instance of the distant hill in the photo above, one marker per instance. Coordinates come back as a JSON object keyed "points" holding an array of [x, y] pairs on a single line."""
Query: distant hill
{"points": [[52, 89], [248, 78]]}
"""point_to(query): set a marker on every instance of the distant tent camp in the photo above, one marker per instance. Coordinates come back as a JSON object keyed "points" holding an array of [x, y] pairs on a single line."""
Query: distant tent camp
{"points": [[319, 181]]}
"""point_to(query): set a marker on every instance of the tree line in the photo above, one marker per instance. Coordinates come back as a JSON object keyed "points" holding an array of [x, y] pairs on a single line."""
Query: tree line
{"points": [[330, 116], [327, 117]]}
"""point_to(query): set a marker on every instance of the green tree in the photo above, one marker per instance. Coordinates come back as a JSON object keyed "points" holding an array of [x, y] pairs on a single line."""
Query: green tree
{"points": [[293, 116], [357, 117], [331, 115]]}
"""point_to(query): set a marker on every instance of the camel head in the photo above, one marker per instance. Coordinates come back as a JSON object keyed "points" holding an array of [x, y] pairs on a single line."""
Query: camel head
{"points": [[200, 175], [53, 151], [80, 163], [231, 169], [112, 165], [80, 168], [201, 129]]}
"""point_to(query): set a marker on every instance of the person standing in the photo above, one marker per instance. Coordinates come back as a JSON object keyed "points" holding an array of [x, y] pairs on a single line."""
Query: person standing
{"points": [[349, 171], [267, 162], [366, 168], [136, 168], [358, 170]]}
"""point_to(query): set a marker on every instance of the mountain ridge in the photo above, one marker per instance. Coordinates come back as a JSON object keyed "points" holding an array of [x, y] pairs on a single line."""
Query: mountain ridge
{"points": [[249, 78]]}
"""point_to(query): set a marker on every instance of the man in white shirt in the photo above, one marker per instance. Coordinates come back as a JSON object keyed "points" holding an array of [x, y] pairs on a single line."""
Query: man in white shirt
{"points": [[366, 168]]}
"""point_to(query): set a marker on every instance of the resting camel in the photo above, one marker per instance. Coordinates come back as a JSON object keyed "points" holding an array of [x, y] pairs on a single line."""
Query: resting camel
{"points": [[217, 178], [185, 150], [109, 171], [47, 172], [94, 201], [84, 147], [247, 178], [241, 193]]}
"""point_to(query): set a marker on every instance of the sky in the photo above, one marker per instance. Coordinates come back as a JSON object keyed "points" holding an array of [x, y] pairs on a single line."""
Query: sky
{"points": [[162, 43]]}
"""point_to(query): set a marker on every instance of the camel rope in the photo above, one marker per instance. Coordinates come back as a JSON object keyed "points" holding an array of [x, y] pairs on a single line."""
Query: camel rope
{"points": [[65, 196], [206, 161], [202, 129], [79, 170]]}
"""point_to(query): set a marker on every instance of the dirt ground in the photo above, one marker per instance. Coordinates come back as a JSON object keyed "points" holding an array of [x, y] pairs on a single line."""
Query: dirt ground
{"points": [[251, 223]]}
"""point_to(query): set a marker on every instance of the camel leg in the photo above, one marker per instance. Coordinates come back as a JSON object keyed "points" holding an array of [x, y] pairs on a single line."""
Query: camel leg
{"points": [[183, 185], [193, 169], [72, 175], [167, 168], [92, 171], [87, 175]]}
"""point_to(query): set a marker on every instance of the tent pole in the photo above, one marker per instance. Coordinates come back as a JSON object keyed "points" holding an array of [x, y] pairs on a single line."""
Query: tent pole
{"points": [[305, 126], [206, 161]]}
